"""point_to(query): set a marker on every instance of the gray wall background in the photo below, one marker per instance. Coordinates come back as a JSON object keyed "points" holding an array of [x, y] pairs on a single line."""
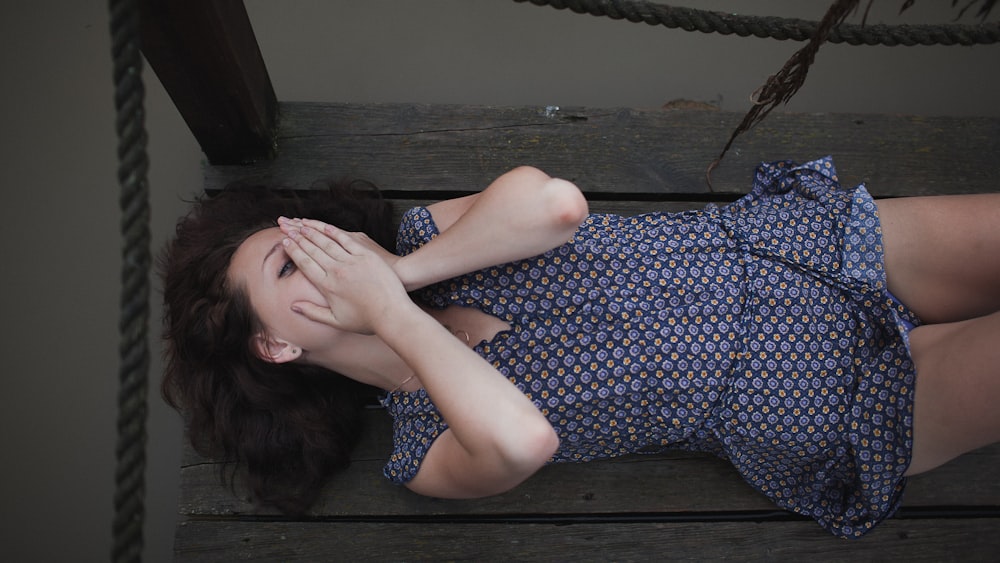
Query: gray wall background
{"points": [[59, 226]]}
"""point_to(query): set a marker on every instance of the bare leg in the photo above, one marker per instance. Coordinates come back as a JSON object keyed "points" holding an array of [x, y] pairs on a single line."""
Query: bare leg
{"points": [[942, 258], [958, 389], [942, 254]]}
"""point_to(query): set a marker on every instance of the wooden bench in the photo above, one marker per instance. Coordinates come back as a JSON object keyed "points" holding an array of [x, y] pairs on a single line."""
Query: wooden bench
{"points": [[675, 506], [679, 505]]}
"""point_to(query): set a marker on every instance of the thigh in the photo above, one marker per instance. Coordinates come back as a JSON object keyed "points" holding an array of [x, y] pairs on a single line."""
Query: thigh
{"points": [[942, 254], [957, 390]]}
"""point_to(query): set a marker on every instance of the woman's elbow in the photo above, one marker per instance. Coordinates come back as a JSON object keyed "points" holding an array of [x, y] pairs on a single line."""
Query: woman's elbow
{"points": [[538, 445], [566, 204], [560, 202], [549, 445]]}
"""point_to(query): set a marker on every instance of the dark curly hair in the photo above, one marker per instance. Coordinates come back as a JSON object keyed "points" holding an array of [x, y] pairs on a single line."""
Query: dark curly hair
{"points": [[286, 427]]}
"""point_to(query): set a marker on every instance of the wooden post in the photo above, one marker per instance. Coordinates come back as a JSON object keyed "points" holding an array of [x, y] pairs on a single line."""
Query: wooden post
{"points": [[206, 55]]}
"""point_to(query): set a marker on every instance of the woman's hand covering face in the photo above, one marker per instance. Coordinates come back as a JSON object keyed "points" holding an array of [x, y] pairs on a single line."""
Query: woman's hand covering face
{"points": [[351, 271]]}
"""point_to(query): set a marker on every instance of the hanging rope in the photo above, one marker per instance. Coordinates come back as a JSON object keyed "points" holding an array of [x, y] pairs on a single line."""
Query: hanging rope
{"points": [[133, 348], [781, 86], [134, 197], [689, 19]]}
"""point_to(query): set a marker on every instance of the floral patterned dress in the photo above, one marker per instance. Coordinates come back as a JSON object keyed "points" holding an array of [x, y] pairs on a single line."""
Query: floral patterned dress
{"points": [[761, 331]]}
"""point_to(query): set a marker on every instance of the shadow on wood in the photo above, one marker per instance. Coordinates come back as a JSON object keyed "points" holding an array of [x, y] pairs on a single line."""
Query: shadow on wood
{"points": [[672, 505]]}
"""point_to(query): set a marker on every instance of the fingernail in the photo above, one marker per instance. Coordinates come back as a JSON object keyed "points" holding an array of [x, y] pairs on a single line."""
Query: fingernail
{"points": [[296, 309], [282, 219]]}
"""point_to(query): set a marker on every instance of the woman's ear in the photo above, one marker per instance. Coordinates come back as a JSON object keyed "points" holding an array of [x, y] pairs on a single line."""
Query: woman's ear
{"points": [[275, 350]]}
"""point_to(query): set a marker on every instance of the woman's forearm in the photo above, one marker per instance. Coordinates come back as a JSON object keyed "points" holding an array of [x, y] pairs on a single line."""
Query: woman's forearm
{"points": [[496, 435], [522, 214], [488, 416]]}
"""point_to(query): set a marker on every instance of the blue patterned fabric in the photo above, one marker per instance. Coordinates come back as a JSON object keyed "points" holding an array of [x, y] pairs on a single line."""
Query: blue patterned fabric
{"points": [[761, 331]]}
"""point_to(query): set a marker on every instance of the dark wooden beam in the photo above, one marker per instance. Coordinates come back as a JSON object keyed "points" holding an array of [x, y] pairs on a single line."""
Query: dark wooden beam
{"points": [[206, 55], [618, 154]]}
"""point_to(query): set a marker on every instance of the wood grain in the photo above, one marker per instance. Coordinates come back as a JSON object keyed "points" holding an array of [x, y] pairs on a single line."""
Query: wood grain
{"points": [[670, 482], [672, 505], [414, 147], [931, 540]]}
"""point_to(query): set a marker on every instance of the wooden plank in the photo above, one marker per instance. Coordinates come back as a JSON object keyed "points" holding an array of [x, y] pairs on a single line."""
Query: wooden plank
{"points": [[637, 507], [931, 540], [206, 55], [672, 482], [658, 153]]}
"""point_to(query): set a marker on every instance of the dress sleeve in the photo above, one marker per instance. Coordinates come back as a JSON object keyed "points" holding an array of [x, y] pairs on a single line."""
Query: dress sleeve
{"points": [[416, 424], [416, 229]]}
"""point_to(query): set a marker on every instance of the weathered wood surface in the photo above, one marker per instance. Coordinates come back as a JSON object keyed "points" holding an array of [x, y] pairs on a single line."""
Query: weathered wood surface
{"points": [[206, 55], [616, 151], [931, 540], [667, 483], [673, 505]]}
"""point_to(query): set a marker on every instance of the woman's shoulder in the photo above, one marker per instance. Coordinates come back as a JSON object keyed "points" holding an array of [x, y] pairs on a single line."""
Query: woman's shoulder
{"points": [[416, 228], [416, 424]]}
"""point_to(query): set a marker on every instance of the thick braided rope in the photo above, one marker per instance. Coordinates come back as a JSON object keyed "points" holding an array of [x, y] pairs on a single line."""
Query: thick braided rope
{"points": [[133, 348], [690, 19]]}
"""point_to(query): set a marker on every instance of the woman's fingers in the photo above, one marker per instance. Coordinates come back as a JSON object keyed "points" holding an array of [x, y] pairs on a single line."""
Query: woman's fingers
{"points": [[314, 312], [288, 225], [359, 286], [294, 247], [347, 240], [317, 244], [318, 264]]}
